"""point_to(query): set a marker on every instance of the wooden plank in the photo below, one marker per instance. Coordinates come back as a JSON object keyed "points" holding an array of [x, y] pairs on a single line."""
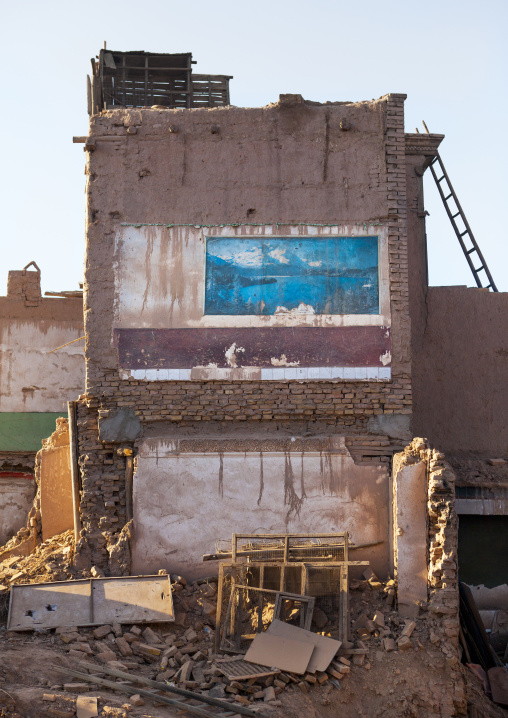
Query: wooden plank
{"points": [[218, 613], [242, 670], [123, 688], [343, 604], [166, 687], [89, 105]]}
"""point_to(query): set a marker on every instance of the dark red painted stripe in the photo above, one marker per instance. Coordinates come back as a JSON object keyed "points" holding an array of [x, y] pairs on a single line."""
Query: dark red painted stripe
{"points": [[310, 346]]}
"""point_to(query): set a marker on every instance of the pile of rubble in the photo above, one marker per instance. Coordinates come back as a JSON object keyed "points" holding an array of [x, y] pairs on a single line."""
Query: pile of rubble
{"points": [[50, 561], [404, 656]]}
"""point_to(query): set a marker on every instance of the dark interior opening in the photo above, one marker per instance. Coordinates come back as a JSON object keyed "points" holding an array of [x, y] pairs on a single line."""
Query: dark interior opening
{"points": [[483, 550]]}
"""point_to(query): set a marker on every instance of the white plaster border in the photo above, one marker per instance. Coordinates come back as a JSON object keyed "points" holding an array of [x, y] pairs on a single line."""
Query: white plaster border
{"points": [[256, 374], [140, 302]]}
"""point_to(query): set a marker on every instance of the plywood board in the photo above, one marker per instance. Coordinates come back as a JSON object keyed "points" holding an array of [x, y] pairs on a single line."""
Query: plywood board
{"points": [[279, 652], [90, 602], [323, 648]]}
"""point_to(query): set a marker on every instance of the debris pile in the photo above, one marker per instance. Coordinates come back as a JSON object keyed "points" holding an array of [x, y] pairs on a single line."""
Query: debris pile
{"points": [[50, 561]]}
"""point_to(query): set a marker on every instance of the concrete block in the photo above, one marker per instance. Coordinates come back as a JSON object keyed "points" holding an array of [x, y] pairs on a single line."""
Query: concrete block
{"points": [[120, 426]]}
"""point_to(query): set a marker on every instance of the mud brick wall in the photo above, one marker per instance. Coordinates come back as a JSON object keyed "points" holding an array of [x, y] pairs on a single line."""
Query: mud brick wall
{"points": [[340, 404], [333, 164], [102, 503], [443, 542], [442, 578], [119, 194]]}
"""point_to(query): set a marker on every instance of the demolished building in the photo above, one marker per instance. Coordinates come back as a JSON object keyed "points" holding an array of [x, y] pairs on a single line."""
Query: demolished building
{"points": [[35, 382], [262, 347], [259, 323], [248, 377]]}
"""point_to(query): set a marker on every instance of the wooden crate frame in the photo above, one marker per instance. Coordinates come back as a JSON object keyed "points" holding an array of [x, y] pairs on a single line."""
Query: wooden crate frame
{"points": [[304, 587]]}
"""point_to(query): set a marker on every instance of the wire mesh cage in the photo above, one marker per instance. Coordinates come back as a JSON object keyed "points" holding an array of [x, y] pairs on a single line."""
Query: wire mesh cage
{"points": [[251, 610], [287, 548], [250, 596]]}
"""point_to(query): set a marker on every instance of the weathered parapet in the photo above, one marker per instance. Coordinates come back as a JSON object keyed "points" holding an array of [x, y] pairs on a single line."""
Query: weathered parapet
{"points": [[425, 540]]}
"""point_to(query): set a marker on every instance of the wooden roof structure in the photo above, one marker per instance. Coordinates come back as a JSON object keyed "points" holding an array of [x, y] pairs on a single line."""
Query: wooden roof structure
{"points": [[148, 79]]}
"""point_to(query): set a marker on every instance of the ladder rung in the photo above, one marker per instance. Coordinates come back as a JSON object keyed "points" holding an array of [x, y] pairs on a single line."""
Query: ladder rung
{"points": [[479, 269], [450, 195], [455, 215], [489, 286], [442, 178], [470, 251], [463, 233]]}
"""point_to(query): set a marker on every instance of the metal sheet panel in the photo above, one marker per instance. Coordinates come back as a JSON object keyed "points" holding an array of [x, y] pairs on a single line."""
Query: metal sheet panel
{"points": [[131, 599]]}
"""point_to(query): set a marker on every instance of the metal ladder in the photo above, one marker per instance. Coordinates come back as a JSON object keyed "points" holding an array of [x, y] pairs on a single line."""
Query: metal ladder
{"points": [[472, 248]]}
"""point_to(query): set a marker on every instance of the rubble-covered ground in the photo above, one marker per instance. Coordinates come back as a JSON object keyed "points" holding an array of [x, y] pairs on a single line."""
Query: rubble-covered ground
{"points": [[473, 470], [408, 669]]}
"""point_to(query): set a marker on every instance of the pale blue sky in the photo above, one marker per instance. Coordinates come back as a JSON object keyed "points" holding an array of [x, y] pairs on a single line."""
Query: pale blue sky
{"points": [[450, 57]]}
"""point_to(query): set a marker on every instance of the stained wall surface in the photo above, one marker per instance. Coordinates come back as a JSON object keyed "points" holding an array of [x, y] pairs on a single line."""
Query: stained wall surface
{"points": [[16, 495], [32, 379], [35, 381], [185, 501], [230, 320]]}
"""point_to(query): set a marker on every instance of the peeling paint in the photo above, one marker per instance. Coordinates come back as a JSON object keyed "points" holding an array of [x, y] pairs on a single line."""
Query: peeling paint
{"points": [[302, 308], [386, 358], [283, 361], [176, 291], [230, 354]]}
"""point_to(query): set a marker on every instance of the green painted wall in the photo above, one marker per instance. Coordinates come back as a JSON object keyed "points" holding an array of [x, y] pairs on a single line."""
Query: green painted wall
{"points": [[24, 431]]}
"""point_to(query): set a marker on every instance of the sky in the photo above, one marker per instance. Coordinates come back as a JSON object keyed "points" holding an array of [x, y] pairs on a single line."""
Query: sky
{"points": [[448, 56]]}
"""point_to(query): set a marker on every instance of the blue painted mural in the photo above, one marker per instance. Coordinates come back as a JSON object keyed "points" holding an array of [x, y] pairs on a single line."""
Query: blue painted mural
{"points": [[330, 275]]}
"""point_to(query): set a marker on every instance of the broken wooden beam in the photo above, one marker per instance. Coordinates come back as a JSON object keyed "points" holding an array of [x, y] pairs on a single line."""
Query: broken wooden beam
{"points": [[135, 691], [169, 688]]}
